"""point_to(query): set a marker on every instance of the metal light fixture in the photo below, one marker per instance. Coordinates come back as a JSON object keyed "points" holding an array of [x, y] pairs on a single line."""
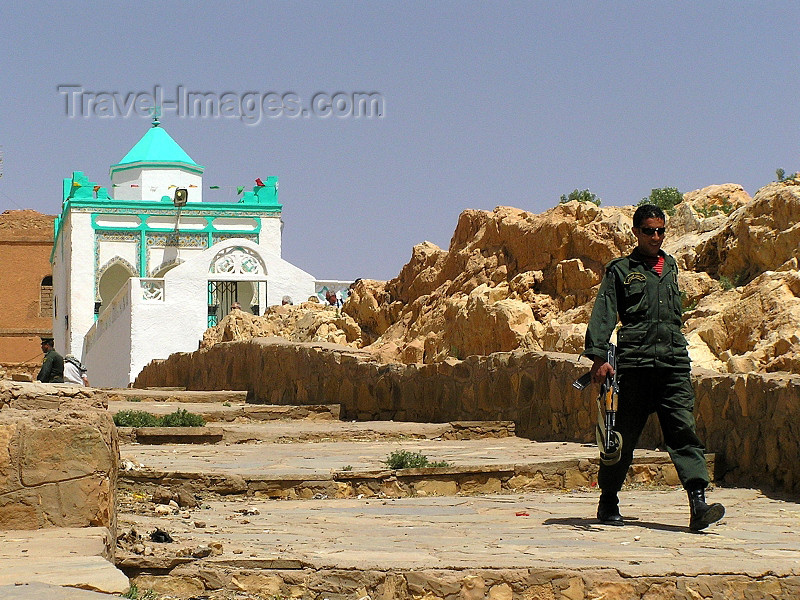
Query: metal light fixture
{"points": [[181, 197]]}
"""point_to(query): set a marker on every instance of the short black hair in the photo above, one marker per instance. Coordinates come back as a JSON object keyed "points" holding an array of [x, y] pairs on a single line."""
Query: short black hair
{"points": [[647, 211]]}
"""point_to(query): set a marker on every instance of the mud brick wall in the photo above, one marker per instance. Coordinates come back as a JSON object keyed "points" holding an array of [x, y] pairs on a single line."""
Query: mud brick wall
{"points": [[748, 420], [59, 457]]}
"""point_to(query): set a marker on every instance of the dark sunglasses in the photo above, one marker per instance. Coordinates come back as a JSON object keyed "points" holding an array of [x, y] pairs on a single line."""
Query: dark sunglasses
{"points": [[652, 230]]}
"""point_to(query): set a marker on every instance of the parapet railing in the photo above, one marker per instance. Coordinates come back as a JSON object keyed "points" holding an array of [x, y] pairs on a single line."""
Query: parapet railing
{"points": [[135, 291]]}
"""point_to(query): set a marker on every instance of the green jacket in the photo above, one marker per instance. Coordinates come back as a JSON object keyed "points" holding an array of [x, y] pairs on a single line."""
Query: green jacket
{"points": [[52, 370], [649, 308]]}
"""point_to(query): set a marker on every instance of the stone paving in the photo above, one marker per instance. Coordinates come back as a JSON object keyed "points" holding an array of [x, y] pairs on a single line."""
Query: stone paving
{"points": [[535, 530]]}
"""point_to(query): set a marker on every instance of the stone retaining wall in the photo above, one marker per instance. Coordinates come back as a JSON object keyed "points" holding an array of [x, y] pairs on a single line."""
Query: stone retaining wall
{"points": [[749, 421], [472, 584], [59, 457]]}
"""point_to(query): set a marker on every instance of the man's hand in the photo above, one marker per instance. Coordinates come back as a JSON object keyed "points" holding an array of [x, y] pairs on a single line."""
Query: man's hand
{"points": [[600, 370]]}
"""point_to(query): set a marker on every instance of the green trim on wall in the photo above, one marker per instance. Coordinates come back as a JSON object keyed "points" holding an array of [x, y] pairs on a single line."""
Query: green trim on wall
{"points": [[144, 227], [142, 252], [209, 210], [182, 166]]}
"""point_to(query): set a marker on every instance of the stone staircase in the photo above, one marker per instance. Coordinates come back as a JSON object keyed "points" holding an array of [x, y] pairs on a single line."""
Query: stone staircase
{"points": [[292, 502]]}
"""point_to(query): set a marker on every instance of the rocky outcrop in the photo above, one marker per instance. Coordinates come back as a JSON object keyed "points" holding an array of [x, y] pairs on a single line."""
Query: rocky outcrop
{"points": [[513, 280], [510, 279]]}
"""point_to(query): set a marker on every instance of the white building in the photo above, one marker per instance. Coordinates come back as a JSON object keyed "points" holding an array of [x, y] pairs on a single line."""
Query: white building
{"points": [[137, 276]]}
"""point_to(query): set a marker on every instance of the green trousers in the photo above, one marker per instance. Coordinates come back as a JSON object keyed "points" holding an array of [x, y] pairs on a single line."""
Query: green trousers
{"points": [[668, 393]]}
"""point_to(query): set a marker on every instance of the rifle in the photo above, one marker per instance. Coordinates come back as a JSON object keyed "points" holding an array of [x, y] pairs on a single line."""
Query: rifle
{"points": [[608, 441]]}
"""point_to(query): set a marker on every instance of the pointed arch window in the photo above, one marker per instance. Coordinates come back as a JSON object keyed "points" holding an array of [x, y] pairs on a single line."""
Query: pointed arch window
{"points": [[46, 297]]}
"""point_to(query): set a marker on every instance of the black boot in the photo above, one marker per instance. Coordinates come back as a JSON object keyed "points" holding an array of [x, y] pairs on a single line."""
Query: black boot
{"points": [[608, 510], [702, 514]]}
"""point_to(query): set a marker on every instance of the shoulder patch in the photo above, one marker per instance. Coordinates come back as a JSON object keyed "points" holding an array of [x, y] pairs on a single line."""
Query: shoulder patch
{"points": [[635, 276]]}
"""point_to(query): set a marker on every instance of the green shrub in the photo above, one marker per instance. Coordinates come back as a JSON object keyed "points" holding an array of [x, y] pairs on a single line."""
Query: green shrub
{"points": [[133, 593], [580, 196], [403, 459], [135, 418], [728, 283], [140, 418], [782, 176], [181, 418], [725, 208], [664, 198]]}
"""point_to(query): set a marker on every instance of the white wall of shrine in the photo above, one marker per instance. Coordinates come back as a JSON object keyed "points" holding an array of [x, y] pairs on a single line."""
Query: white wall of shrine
{"points": [[151, 318]]}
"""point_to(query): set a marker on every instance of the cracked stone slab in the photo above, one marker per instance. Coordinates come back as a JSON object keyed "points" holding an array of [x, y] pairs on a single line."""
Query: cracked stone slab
{"points": [[72, 557], [41, 591]]}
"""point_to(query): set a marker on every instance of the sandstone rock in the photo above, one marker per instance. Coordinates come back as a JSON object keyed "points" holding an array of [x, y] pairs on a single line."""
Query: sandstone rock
{"points": [[305, 322], [162, 495], [707, 209], [754, 328], [58, 467], [760, 236]]}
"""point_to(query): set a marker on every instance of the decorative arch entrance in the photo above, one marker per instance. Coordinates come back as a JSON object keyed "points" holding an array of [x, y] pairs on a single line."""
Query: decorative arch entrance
{"points": [[236, 275]]}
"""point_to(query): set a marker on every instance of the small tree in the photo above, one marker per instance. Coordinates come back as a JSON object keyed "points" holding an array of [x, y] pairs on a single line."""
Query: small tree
{"points": [[580, 196], [664, 198]]}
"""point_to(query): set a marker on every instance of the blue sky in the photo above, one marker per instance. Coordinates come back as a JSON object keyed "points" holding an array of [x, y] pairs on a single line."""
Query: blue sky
{"points": [[485, 104]]}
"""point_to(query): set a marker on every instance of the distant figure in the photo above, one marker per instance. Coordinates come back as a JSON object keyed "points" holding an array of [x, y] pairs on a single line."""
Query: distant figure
{"points": [[52, 370], [74, 371], [287, 300], [333, 299], [236, 306]]}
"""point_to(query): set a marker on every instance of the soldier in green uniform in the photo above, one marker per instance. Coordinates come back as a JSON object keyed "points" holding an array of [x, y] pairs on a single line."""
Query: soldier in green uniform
{"points": [[641, 290], [52, 370]]}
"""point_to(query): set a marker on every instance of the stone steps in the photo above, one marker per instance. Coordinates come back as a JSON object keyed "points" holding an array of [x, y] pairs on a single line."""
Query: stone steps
{"points": [[175, 395], [308, 508], [230, 412], [339, 468], [311, 430]]}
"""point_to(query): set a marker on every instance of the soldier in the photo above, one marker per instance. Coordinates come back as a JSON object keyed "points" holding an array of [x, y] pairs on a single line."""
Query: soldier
{"points": [[653, 363], [52, 370]]}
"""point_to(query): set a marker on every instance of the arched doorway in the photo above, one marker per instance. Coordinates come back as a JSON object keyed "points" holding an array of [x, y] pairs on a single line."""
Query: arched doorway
{"points": [[236, 274], [114, 276]]}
